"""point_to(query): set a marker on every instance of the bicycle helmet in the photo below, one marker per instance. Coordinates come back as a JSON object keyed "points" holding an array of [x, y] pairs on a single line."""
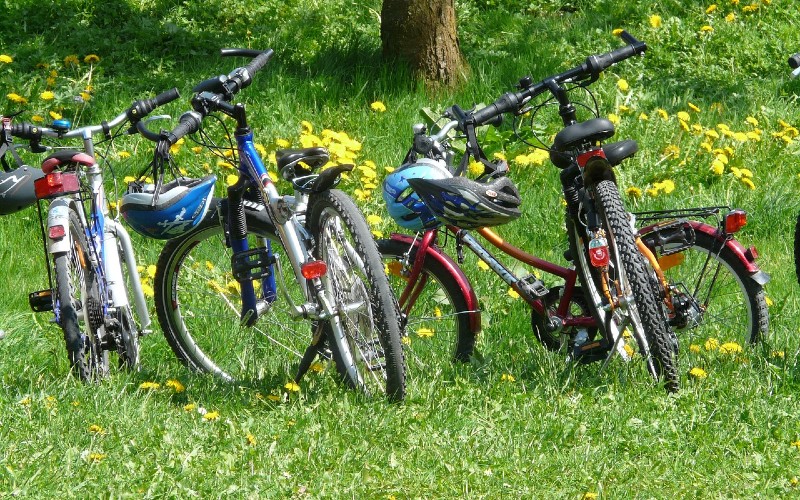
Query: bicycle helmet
{"points": [[469, 204], [402, 203], [180, 205], [16, 189]]}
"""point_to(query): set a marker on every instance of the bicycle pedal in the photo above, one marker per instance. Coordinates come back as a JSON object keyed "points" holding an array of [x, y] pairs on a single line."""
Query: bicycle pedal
{"points": [[252, 264], [533, 286], [591, 351], [41, 301]]}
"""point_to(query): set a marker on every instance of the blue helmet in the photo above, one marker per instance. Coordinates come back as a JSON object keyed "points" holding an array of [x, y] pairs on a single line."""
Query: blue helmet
{"points": [[181, 205], [403, 203]]}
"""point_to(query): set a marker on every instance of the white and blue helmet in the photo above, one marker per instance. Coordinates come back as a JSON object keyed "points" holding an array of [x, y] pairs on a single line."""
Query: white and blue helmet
{"points": [[403, 203]]}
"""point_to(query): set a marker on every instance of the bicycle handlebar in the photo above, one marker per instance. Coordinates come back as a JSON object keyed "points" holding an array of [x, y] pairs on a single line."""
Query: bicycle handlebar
{"points": [[215, 93], [794, 63], [590, 68]]}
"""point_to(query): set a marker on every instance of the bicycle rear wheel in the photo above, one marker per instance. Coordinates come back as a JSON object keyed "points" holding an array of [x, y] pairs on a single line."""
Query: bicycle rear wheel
{"points": [[370, 354], [438, 325], [78, 306], [198, 303], [712, 293], [797, 249], [628, 278]]}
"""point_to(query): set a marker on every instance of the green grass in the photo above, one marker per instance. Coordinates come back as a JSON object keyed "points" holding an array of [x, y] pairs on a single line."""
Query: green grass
{"points": [[556, 430]]}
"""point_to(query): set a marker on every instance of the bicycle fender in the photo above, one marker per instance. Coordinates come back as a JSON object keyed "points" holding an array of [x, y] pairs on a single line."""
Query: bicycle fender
{"points": [[58, 223], [468, 293]]}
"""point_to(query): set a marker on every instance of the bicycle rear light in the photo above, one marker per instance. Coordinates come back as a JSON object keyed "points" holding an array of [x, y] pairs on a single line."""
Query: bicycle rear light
{"points": [[735, 220], [314, 269], [56, 232], [56, 184]]}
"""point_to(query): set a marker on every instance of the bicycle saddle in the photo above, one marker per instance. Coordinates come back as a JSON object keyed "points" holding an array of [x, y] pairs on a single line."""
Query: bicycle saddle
{"points": [[289, 161], [66, 157], [615, 152], [592, 131]]}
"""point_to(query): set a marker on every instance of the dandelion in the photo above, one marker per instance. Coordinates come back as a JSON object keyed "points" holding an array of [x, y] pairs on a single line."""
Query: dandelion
{"points": [[730, 348], [613, 118], [425, 333], [149, 386], [794, 482], [796, 444], [190, 407], [768, 301], [634, 192], [378, 107], [628, 350], [671, 151], [292, 387], [711, 344], [693, 107], [96, 429], [663, 114], [590, 495], [507, 377], [711, 8], [91, 59], [96, 457], [706, 29], [175, 385], [643, 117], [406, 340], [778, 354], [37, 119], [210, 416], [717, 167], [655, 21], [55, 115], [483, 266], [148, 290], [622, 85], [273, 397], [683, 116], [711, 134], [16, 98], [698, 373], [748, 183], [730, 17], [705, 147], [71, 60], [6, 59], [694, 348], [513, 293], [749, 9], [47, 95], [317, 367], [617, 31], [251, 439], [231, 179], [85, 96], [26, 401]]}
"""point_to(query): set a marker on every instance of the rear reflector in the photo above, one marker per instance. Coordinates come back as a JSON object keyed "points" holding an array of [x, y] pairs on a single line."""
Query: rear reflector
{"points": [[314, 269], [735, 220], [56, 184]]}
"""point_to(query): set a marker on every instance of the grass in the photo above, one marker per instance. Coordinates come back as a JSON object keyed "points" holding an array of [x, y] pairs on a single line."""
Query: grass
{"points": [[554, 430]]}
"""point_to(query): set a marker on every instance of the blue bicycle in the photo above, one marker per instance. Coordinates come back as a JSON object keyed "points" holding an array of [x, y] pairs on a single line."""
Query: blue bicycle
{"points": [[258, 268]]}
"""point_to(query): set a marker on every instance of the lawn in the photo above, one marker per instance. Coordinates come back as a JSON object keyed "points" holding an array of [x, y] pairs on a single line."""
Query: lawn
{"points": [[714, 110]]}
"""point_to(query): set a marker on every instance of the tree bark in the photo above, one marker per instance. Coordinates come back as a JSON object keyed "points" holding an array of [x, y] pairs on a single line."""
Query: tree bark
{"points": [[423, 33]]}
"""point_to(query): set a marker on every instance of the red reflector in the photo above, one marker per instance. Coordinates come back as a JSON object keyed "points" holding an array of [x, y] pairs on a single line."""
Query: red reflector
{"points": [[314, 269], [56, 232], [56, 183], [735, 220]]}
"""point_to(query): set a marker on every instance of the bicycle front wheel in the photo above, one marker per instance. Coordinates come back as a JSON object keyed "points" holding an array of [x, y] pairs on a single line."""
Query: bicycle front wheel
{"points": [[713, 295], [364, 336], [438, 324], [78, 306], [640, 310], [198, 303]]}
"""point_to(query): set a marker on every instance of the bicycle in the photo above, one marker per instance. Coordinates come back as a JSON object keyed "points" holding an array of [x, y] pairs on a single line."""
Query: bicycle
{"points": [[706, 279], [93, 273], [258, 255], [794, 64]]}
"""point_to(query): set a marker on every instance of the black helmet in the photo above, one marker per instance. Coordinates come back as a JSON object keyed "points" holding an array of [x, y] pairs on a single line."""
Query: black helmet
{"points": [[468, 204], [16, 189]]}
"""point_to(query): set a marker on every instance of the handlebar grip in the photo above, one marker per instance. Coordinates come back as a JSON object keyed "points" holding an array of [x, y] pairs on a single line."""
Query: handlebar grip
{"points": [[140, 109], [259, 61], [597, 63], [794, 61], [27, 131], [189, 124], [505, 104]]}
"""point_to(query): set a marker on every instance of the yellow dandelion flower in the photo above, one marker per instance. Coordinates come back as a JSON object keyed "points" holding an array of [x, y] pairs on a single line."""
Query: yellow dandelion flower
{"points": [[748, 183], [96, 429], [617, 31], [622, 85], [374, 220], [149, 386], [406, 340], [251, 439], [292, 387], [175, 385], [91, 59], [712, 134], [711, 8], [71, 60], [317, 367], [730, 17], [671, 151], [694, 348], [684, 116], [778, 354], [590, 495], [643, 117], [634, 192], [768, 301], [54, 115], [231, 179], [693, 107], [47, 95], [663, 114], [655, 21], [148, 290], [628, 350], [684, 126], [706, 29], [6, 59], [16, 98], [37, 119], [96, 457], [698, 373], [507, 377], [306, 127], [613, 118], [796, 443], [705, 147], [425, 333], [190, 407], [740, 136], [210, 416], [85, 96], [378, 107], [26, 401], [749, 9], [711, 344], [483, 266], [752, 121], [513, 293]]}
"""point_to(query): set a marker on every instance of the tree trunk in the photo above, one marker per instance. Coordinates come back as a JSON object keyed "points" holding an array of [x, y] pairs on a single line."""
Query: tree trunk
{"points": [[423, 33]]}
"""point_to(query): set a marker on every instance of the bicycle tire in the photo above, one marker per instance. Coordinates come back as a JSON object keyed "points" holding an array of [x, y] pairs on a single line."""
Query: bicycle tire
{"points": [[76, 293], [198, 304], [355, 274], [655, 341], [797, 249], [437, 327], [723, 299]]}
